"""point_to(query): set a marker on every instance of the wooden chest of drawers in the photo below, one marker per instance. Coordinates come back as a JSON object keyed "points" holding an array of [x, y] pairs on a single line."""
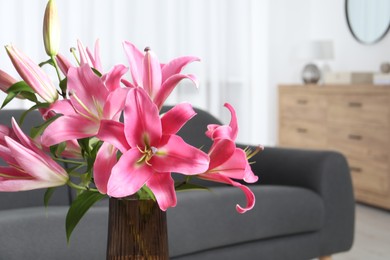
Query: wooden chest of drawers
{"points": [[354, 120]]}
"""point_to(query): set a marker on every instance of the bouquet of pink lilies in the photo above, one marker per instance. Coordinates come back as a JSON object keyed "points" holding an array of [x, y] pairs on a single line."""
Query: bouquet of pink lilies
{"points": [[107, 156]]}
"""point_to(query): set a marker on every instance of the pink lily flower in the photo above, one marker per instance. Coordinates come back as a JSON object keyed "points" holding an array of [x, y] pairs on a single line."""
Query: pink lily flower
{"points": [[29, 167], [230, 132], [92, 59], [151, 150], [228, 162], [91, 100], [33, 75], [157, 79]]}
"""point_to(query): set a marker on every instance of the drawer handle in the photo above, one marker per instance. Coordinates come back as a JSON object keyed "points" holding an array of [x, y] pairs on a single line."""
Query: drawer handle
{"points": [[302, 101], [355, 137], [302, 130], [355, 169], [355, 104]]}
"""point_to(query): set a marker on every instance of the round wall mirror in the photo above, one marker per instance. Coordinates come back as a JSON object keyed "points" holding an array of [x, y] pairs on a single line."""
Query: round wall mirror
{"points": [[368, 20]]}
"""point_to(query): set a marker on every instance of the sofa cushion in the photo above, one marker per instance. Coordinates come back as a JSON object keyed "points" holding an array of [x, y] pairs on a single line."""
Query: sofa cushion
{"points": [[39, 233], [33, 198], [279, 211]]}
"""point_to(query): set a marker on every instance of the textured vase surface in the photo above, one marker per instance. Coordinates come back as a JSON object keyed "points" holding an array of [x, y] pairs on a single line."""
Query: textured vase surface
{"points": [[137, 230]]}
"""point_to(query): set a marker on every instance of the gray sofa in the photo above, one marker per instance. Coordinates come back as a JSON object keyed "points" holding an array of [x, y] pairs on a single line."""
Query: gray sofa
{"points": [[304, 209]]}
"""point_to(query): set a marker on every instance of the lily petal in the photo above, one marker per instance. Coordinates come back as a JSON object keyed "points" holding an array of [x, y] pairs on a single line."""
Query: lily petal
{"points": [[135, 58], [128, 176], [67, 128], [175, 66], [105, 161], [169, 85], [113, 133], [175, 155], [113, 78], [250, 177], [6, 155], [24, 139], [221, 132], [234, 167], [88, 92], [151, 73], [46, 170], [163, 188], [18, 181], [6, 81], [250, 197], [84, 57], [173, 120], [233, 121], [115, 104], [127, 83], [141, 118], [63, 63], [95, 58], [63, 107], [220, 152]]}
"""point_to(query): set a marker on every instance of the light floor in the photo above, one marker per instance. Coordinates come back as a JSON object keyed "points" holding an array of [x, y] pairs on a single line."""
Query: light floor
{"points": [[372, 235]]}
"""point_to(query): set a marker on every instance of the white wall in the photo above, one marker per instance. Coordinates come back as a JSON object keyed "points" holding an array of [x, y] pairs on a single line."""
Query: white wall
{"points": [[230, 36], [246, 46], [293, 22]]}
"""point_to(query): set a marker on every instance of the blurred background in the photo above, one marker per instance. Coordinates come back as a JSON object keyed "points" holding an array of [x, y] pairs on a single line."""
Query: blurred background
{"points": [[247, 47]]}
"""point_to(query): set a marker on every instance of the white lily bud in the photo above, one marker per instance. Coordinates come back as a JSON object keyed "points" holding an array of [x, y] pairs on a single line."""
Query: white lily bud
{"points": [[51, 29]]}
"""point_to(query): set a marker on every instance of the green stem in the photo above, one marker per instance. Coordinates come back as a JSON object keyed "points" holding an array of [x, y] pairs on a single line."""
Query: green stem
{"points": [[73, 51], [75, 174], [78, 187], [53, 58], [63, 91], [70, 161]]}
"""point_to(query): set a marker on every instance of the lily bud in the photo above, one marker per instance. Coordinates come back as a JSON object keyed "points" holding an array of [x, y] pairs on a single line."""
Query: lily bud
{"points": [[63, 63], [51, 29], [6, 81], [33, 75]]}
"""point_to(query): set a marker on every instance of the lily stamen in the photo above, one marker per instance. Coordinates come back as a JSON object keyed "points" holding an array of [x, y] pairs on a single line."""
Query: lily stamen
{"points": [[250, 153], [147, 154]]}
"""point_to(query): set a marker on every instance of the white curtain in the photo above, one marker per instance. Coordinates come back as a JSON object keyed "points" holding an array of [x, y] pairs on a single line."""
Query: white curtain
{"points": [[230, 37]]}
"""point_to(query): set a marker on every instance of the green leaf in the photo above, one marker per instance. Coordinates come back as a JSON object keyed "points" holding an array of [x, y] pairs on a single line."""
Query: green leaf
{"points": [[16, 89], [78, 209], [36, 106], [30, 96], [19, 87], [38, 130], [63, 84], [8, 98], [97, 72], [84, 145], [57, 149], [49, 192], [146, 193]]}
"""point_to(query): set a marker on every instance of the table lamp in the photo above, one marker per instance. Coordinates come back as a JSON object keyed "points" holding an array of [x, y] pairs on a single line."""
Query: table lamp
{"points": [[312, 51]]}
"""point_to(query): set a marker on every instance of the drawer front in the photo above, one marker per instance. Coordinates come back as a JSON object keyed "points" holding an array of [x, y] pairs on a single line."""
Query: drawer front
{"points": [[368, 177], [302, 134], [368, 109], [303, 106], [362, 140]]}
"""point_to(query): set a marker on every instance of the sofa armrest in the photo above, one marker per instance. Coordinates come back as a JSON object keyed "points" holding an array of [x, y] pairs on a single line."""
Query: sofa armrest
{"points": [[326, 173]]}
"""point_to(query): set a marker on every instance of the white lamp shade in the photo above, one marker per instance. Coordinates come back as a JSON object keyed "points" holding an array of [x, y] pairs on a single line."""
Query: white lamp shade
{"points": [[316, 50]]}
